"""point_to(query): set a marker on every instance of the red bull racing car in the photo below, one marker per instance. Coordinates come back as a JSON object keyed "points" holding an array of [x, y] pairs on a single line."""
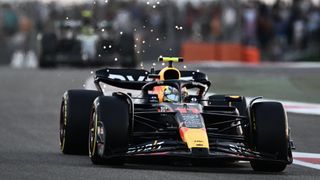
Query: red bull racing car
{"points": [[172, 119]]}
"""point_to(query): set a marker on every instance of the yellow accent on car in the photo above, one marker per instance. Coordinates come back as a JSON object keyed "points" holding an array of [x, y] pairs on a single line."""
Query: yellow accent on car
{"points": [[160, 89], [86, 14], [172, 59], [234, 97], [194, 137], [162, 72]]}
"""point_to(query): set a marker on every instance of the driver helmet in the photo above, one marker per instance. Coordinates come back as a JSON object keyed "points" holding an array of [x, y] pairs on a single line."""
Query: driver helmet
{"points": [[170, 94]]}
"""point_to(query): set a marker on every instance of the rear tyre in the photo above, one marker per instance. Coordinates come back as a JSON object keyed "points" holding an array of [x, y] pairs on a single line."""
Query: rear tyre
{"points": [[270, 135], [48, 50], [108, 136], [74, 120]]}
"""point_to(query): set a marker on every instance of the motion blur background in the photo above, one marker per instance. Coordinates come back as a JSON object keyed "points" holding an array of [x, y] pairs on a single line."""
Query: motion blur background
{"points": [[281, 30]]}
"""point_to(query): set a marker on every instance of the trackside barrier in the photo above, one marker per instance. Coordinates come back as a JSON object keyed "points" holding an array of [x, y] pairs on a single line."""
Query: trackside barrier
{"points": [[197, 51]]}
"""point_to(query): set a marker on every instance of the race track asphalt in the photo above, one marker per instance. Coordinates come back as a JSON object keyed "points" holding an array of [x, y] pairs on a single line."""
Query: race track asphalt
{"points": [[29, 145]]}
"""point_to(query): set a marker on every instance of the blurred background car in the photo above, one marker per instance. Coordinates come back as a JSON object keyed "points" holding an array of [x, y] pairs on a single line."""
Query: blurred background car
{"points": [[82, 42]]}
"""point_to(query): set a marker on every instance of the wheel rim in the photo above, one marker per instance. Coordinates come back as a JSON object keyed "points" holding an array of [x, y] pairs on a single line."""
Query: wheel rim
{"points": [[92, 135], [63, 123], [96, 136]]}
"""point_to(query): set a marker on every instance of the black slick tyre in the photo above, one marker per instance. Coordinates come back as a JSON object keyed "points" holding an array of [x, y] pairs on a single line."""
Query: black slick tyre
{"points": [[108, 136], [74, 120], [48, 45], [270, 135]]}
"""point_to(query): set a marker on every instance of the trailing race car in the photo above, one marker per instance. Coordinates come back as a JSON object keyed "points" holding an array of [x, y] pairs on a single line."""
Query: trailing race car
{"points": [[79, 43], [172, 119]]}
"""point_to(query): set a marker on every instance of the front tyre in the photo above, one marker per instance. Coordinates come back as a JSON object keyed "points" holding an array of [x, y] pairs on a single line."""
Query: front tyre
{"points": [[270, 135], [108, 131]]}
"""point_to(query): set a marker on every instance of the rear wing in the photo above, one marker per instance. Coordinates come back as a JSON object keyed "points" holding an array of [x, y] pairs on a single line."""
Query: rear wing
{"points": [[135, 79]]}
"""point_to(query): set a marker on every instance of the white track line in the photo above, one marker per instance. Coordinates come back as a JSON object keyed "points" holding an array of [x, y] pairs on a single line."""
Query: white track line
{"points": [[306, 155], [312, 156], [306, 164], [302, 108], [298, 107]]}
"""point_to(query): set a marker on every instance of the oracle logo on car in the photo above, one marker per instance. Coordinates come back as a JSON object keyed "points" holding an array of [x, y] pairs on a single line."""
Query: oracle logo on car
{"points": [[140, 78], [126, 78]]}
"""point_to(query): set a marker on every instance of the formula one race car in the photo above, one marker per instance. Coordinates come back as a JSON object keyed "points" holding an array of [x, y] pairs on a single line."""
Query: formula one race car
{"points": [[172, 120], [75, 43]]}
